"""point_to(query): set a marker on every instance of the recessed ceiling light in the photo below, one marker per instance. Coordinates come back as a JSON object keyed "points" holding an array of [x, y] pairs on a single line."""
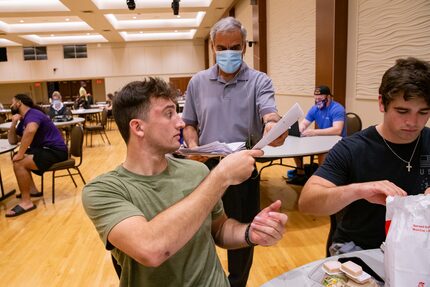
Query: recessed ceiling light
{"points": [[141, 32], [178, 16], [52, 35], [176, 31], [134, 17], [21, 21], [67, 19], [88, 34]]}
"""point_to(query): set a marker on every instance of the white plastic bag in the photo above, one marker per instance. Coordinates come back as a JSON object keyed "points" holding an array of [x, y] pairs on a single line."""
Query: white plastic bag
{"points": [[407, 246]]}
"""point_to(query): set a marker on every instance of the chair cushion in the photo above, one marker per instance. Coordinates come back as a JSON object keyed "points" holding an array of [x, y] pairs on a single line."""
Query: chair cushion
{"points": [[70, 163]]}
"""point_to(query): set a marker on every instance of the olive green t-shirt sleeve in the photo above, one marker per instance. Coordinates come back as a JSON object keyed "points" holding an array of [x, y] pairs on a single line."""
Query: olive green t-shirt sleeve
{"points": [[106, 206]]}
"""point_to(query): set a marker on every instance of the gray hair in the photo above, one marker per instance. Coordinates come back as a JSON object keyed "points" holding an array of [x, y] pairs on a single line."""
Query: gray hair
{"points": [[227, 24]]}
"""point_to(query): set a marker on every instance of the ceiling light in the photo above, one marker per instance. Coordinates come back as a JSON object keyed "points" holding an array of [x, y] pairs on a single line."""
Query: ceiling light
{"points": [[52, 35], [178, 16], [141, 32], [134, 17], [21, 21], [88, 34], [67, 19]]}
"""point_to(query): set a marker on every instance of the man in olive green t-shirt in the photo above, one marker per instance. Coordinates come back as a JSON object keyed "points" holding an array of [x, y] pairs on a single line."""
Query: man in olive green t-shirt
{"points": [[160, 216]]}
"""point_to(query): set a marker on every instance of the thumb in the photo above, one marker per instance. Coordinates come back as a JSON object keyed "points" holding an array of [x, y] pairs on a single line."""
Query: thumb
{"points": [[255, 152], [276, 206]]}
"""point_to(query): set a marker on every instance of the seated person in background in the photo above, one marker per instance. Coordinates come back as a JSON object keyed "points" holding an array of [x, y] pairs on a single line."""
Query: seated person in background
{"points": [[329, 115], [90, 99], [57, 107], [41, 146], [387, 159], [81, 103], [108, 108], [161, 216]]}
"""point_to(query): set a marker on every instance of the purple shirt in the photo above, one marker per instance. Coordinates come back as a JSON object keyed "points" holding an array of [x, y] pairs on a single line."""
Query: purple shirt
{"points": [[47, 135], [228, 112]]}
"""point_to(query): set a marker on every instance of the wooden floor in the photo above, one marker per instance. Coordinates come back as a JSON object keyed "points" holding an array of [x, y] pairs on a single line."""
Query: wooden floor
{"points": [[57, 245]]}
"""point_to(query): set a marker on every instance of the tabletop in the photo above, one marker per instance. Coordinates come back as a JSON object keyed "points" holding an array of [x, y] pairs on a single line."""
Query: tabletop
{"points": [[86, 111], [99, 106], [5, 111], [5, 146], [6, 126], [308, 275], [301, 146]]}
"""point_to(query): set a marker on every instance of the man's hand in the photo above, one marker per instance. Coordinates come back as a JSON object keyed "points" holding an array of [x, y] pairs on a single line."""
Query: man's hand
{"points": [[377, 191], [16, 118], [268, 226], [280, 140], [427, 192], [309, 133], [18, 157], [237, 167]]}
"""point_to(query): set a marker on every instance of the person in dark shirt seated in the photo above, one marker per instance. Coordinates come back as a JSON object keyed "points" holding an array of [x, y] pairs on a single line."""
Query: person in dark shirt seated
{"points": [[388, 159], [41, 146]]}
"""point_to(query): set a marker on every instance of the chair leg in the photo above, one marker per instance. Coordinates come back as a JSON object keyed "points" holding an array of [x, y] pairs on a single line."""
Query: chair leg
{"points": [[53, 187], [106, 137], [101, 135], [80, 174], [71, 176], [41, 183]]}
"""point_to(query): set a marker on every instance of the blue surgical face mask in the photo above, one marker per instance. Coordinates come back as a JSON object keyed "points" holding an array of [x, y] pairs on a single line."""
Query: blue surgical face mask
{"points": [[321, 104], [229, 61]]}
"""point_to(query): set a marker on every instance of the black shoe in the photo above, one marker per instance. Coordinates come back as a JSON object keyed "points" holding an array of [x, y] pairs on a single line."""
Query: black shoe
{"points": [[299, 179]]}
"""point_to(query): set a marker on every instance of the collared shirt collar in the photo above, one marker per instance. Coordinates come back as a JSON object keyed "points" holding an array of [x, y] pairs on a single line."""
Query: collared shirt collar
{"points": [[241, 76]]}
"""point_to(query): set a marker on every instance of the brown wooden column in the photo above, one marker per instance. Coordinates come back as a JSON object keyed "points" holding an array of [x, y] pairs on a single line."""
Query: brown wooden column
{"points": [[331, 46], [259, 27]]}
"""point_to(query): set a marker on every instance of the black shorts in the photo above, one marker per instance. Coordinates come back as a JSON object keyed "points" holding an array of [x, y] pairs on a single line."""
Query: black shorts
{"points": [[45, 157]]}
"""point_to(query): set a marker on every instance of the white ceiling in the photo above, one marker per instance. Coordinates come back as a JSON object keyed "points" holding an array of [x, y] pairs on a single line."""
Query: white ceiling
{"points": [[50, 22]]}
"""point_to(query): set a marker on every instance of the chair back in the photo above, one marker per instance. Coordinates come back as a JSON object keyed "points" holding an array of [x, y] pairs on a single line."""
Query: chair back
{"points": [[104, 118], [353, 123], [76, 141]]}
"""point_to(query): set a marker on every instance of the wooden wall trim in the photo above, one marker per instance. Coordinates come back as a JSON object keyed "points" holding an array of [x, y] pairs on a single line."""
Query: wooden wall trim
{"points": [[259, 28], [331, 46]]}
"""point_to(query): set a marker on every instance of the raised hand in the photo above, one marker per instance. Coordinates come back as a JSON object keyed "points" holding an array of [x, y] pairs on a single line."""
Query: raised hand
{"points": [[268, 226], [238, 167]]}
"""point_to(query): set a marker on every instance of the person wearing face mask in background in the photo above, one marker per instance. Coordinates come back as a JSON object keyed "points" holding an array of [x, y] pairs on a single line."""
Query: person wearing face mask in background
{"points": [[330, 117], [57, 107], [230, 102]]}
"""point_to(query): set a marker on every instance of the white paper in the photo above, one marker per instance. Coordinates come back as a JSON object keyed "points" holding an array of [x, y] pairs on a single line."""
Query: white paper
{"points": [[292, 116], [214, 148]]}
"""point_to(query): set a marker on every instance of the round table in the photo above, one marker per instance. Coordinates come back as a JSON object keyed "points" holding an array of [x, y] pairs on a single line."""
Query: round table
{"points": [[74, 121], [297, 147], [308, 275], [5, 147], [86, 111]]}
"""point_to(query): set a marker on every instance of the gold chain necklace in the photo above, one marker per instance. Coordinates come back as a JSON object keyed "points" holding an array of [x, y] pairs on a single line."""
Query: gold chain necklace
{"points": [[408, 166]]}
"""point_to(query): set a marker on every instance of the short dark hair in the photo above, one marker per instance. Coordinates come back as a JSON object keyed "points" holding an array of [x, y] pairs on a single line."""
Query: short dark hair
{"points": [[133, 102], [410, 77], [27, 101]]}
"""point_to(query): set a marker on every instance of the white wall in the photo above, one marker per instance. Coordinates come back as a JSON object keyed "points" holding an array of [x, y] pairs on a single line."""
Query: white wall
{"points": [[127, 61], [379, 32], [243, 13], [291, 34]]}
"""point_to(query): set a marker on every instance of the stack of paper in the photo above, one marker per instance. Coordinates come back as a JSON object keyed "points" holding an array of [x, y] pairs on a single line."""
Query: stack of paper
{"points": [[214, 148]]}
